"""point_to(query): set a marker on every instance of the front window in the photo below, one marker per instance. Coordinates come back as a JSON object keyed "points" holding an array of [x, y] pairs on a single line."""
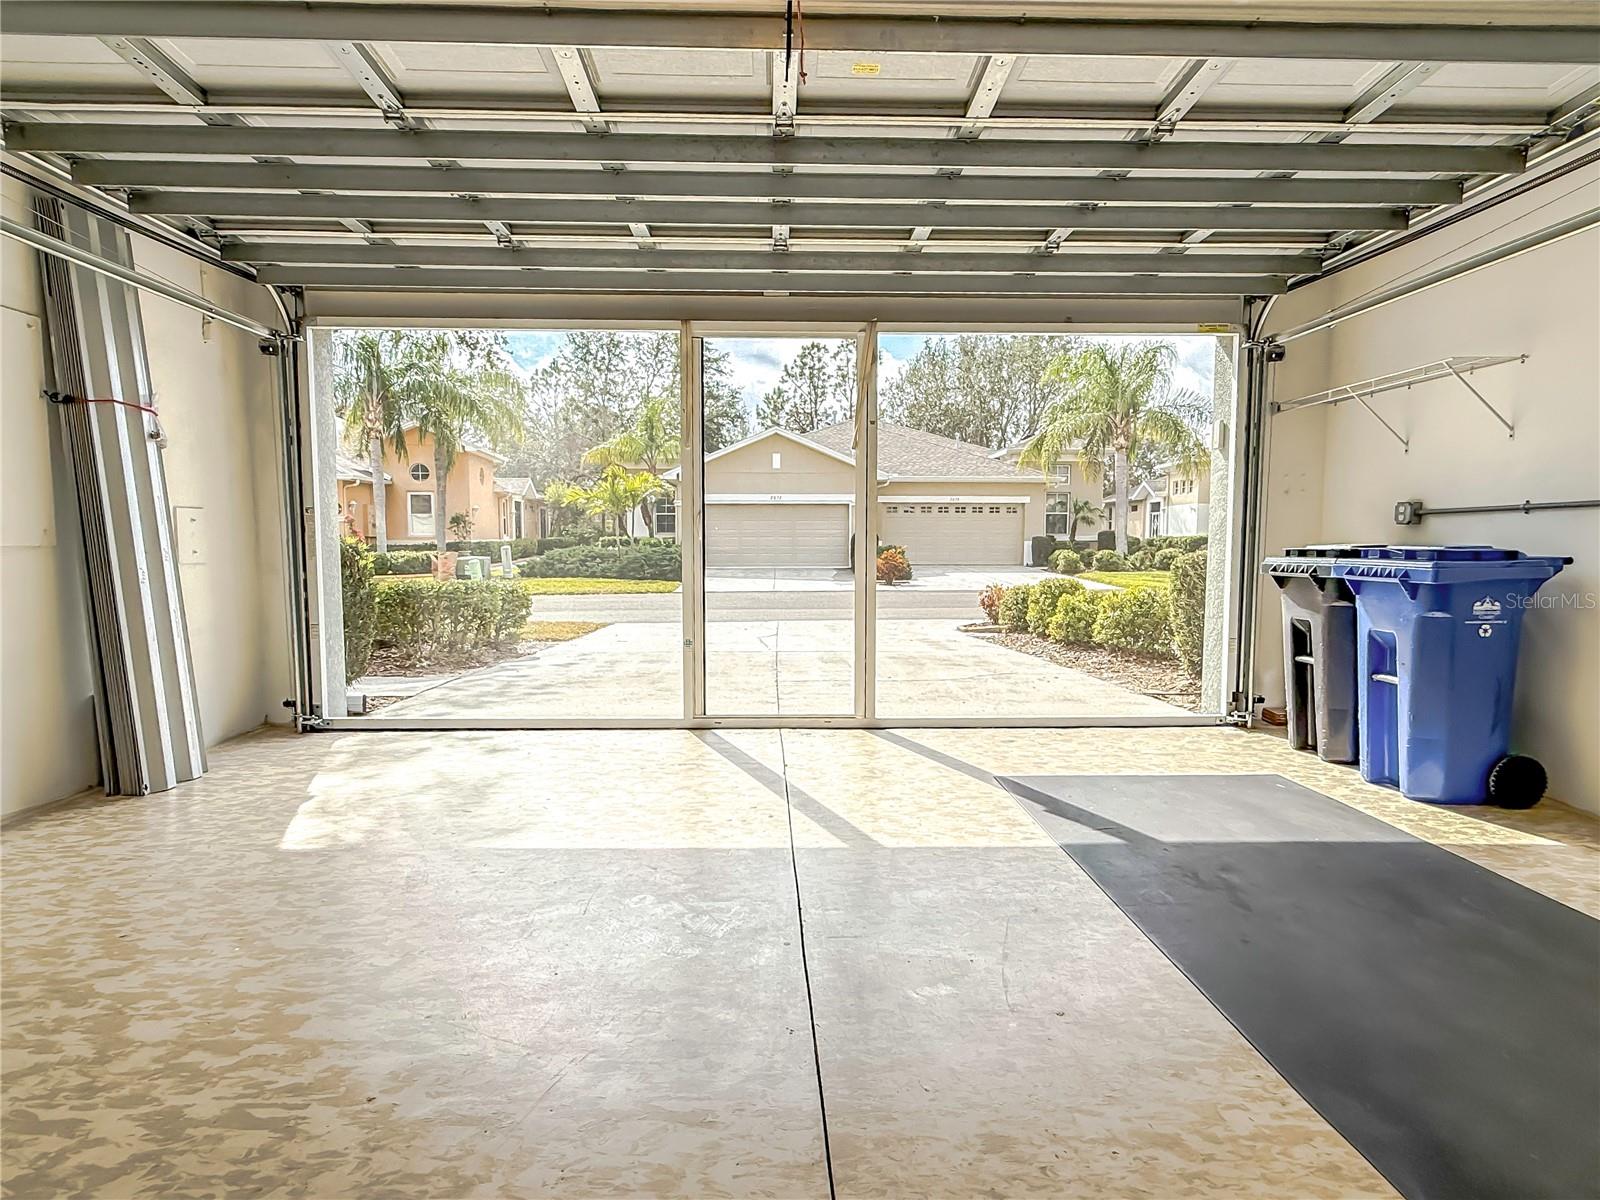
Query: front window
{"points": [[419, 514], [420, 472], [666, 517], [1058, 514]]}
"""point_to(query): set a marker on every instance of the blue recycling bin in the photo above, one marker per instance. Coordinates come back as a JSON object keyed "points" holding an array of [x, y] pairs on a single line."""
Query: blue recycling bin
{"points": [[1437, 629]]}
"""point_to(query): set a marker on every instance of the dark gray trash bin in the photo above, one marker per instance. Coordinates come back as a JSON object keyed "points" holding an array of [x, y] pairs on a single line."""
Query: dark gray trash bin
{"points": [[1319, 651]]}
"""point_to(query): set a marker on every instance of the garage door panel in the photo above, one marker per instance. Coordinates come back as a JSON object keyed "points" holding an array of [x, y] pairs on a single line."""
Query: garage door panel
{"points": [[955, 534], [777, 535]]}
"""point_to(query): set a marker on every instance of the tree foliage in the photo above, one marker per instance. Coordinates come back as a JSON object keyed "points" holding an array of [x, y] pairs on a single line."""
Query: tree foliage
{"points": [[597, 388], [817, 387], [1116, 401], [988, 389]]}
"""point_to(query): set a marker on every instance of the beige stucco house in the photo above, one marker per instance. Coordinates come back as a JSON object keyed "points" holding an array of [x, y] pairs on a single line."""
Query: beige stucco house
{"points": [[781, 498], [1177, 500], [411, 499]]}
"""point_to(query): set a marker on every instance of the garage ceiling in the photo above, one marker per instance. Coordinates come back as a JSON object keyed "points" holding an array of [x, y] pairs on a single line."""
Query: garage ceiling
{"points": [[1038, 150]]}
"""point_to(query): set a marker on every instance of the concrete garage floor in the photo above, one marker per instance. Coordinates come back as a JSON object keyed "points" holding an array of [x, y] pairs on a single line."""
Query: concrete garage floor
{"points": [[791, 667], [572, 964]]}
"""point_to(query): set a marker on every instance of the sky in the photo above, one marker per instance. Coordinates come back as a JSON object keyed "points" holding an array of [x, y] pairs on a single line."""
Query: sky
{"points": [[757, 363]]}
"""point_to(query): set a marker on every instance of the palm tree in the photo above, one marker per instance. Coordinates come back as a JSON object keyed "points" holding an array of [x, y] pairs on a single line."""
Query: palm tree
{"points": [[1117, 401], [1082, 510], [457, 399], [370, 389], [618, 492], [650, 443]]}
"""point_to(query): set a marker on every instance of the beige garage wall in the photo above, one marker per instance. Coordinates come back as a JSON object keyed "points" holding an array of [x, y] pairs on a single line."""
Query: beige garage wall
{"points": [[1334, 473], [802, 470], [215, 393], [1033, 489]]}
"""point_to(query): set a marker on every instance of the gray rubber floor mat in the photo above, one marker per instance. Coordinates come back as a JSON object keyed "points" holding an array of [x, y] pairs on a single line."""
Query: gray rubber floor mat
{"points": [[1443, 1018]]}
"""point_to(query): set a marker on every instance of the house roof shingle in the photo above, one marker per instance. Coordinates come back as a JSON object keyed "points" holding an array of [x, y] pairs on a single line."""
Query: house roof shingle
{"points": [[915, 453]]}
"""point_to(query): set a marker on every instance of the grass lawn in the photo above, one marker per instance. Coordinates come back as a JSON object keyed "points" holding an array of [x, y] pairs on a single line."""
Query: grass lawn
{"points": [[558, 631], [569, 586], [1129, 579]]}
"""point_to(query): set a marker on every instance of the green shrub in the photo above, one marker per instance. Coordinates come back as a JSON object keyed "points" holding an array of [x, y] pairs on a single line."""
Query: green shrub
{"points": [[1072, 624], [1135, 619], [1163, 559], [423, 617], [1014, 608], [1187, 601], [613, 540], [1042, 602], [402, 562], [356, 589], [662, 560], [1066, 562], [545, 545], [1142, 560], [1109, 560], [989, 600]]}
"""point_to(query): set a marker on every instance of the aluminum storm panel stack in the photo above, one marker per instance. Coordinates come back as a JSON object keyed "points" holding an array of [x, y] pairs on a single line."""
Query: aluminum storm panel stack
{"points": [[148, 717]]}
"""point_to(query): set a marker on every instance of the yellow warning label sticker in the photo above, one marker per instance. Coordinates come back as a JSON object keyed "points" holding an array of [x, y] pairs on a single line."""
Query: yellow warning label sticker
{"points": [[864, 68]]}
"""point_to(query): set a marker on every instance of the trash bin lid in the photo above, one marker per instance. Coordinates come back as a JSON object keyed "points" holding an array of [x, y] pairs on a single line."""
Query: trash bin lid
{"points": [[1331, 550], [1469, 553], [1447, 564]]}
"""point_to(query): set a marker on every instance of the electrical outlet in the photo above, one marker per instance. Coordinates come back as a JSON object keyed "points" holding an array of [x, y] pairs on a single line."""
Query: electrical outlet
{"points": [[1408, 512]]}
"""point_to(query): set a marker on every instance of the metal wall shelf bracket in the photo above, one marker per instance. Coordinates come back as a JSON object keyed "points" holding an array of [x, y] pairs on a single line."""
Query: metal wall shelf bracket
{"points": [[1457, 368]]}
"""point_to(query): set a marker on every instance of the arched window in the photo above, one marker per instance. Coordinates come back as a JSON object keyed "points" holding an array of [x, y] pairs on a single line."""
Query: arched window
{"points": [[420, 472]]}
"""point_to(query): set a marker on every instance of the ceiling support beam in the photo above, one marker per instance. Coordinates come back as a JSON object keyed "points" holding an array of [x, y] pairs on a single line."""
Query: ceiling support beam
{"points": [[359, 60], [1396, 83], [991, 82], [507, 25], [347, 253], [757, 151], [580, 87], [632, 280], [159, 67], [1194, 81], [841, 215], [540, 181], [785, 91]]}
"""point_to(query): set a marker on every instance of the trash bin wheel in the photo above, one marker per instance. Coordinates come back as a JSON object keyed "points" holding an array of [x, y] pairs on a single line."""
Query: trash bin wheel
{"points": [[1517, 781]]}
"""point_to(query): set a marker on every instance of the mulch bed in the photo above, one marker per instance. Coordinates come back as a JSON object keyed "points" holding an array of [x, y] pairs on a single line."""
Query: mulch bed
{"points": [[386, 661], [1160, 678]]}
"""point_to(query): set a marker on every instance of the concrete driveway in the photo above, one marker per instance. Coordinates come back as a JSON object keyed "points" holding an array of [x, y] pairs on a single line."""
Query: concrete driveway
{"points": [[926, 668]]}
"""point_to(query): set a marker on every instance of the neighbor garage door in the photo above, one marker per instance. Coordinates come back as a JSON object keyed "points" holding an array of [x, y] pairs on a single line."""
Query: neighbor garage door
{"points": [[777, 535], [984, 535]]}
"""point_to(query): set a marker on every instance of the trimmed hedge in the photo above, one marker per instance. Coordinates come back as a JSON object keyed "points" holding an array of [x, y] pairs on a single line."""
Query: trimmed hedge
{"points": [[1066, 562], [1187, 601], [1014, 608], [1162, 560], [662, 560], [403, 562], [1136, 619], [1042, 602], [1109, 560], [1142, 560], [482, 548], [356, 589], [1043, 545], [422, 617], [1072, 624]]}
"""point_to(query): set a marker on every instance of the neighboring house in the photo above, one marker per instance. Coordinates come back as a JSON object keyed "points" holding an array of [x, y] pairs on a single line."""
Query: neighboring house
{"points": [[1175, 501], [410, 497], [521, 507], [1074, 477], [783, 499]]}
